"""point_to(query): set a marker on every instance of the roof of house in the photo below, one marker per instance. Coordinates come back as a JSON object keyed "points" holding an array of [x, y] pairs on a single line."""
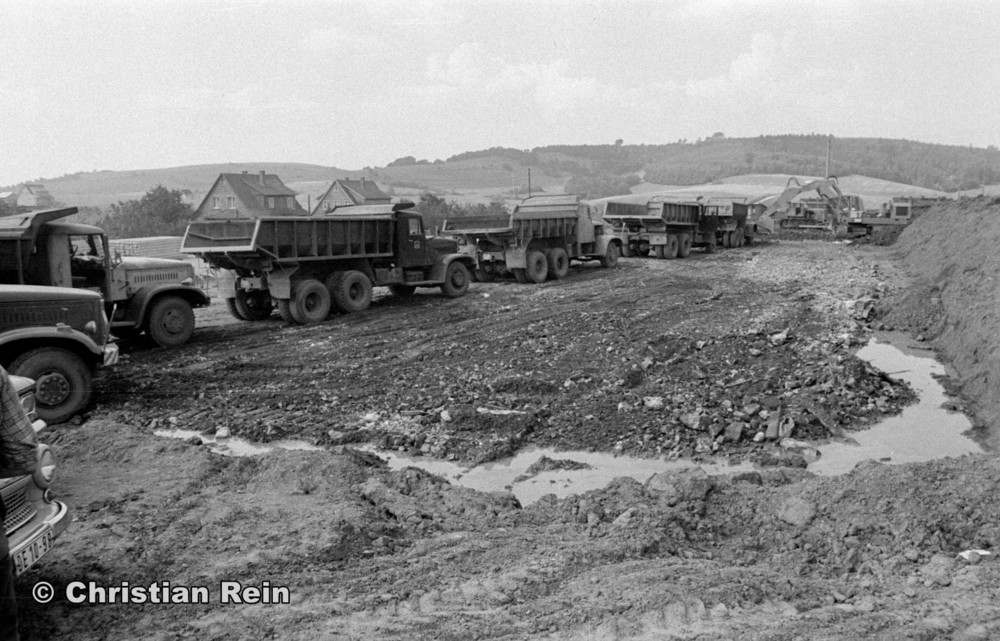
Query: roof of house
{"points": [[249, 188], [359, 191]]}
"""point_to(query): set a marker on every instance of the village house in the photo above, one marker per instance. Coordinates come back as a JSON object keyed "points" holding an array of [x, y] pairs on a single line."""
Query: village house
{"points": [[345, 192], [248, 195], [29, 197]]}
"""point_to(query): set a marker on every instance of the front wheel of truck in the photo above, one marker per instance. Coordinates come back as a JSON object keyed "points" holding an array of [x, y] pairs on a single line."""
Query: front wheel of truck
{"points": [[456, 280], [171, 321], [62, 379], [255, 305]]}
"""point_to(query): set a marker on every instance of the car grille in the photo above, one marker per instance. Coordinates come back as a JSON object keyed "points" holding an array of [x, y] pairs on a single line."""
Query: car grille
{"points": [[19, 511]]}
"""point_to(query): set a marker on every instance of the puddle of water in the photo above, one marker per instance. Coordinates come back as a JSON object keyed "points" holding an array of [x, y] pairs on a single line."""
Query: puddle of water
{"points": [[501, 475], [234, 446], [922, 432]]}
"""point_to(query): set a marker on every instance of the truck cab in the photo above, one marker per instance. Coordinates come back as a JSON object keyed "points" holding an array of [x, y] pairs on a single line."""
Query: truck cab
{"points": [[152, 295]]}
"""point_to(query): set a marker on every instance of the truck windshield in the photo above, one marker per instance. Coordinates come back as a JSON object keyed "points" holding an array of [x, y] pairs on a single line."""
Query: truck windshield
{"points": [[87, 261]]}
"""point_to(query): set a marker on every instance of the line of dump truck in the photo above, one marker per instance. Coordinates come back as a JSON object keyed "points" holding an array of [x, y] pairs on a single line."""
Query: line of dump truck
{"points": [[311, 266]]}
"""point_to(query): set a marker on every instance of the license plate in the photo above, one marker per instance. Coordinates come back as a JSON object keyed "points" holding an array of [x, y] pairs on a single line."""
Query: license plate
{"points": [[34, 550]]}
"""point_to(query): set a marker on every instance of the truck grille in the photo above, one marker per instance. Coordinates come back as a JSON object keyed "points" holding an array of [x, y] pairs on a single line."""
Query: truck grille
{"points": [[19, 511], [155, 277]]}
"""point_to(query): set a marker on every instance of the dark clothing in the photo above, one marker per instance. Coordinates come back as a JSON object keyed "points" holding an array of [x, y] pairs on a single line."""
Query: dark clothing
{"points": [[8, 601]]}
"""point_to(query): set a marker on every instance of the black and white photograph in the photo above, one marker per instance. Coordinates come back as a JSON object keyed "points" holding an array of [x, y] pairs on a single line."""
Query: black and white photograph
{"points": [[571, 320]]}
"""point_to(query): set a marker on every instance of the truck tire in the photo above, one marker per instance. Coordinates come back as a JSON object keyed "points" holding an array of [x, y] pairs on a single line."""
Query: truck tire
{"points": [[285, 310], [311, 303], [352, 291], [727, 239], [625, 251], [234, 309], [537, 268], [254, 306], [710, 244], [683, 245], [62, 379], [456, 280], [740, 237], [672, 247], [558, 261], [658, 251], [403, 291], [170, 322], [520, 275], [610, 258]]}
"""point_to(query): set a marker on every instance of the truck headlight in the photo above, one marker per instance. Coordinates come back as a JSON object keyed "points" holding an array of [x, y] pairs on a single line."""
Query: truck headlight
{"points": [[91, 328], [46, 467]]}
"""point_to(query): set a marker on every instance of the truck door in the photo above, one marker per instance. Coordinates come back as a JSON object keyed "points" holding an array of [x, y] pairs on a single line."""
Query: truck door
{"points": [[413, 249]]}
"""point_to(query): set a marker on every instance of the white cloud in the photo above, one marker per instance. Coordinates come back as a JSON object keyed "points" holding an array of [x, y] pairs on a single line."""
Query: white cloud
{"points": [[756, 70], [340, 40]]}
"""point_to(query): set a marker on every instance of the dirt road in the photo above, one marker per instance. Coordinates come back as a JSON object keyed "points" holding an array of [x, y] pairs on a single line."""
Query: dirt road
{"points": [[711, 358]]}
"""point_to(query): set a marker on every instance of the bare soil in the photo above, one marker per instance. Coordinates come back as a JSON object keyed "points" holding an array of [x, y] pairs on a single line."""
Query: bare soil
{"points": [[706, 358]]}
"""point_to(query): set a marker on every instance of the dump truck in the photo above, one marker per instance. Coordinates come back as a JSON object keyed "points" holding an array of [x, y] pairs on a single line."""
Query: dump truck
{"points": [[59, 337], [670, 228], [536, 241], [308, 266], [152, 295]]}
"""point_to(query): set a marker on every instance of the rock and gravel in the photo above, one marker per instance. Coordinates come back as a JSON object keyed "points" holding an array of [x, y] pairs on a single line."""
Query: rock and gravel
{"points": [[717, 357]]}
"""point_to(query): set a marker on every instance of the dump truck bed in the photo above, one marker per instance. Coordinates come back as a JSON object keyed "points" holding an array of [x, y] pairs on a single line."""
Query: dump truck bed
{"points": [[291, 239], [535, 217], [655, 212]]}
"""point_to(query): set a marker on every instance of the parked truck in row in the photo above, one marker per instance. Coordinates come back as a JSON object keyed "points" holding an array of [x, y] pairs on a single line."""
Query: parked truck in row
{"points": [[57, 336], [670, 228], [536, 241], [308, 266], [152, 295]]}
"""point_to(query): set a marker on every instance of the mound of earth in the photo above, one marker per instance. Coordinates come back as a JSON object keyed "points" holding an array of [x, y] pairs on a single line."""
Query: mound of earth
{"points": [[951, 251]]}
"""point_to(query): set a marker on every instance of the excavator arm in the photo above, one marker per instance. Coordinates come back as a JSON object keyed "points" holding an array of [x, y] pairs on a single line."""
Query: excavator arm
{"points": [[780, 207]]}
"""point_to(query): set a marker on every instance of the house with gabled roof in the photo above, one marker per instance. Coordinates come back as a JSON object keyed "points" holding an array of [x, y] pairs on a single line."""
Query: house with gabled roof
{"points": [[344, 192], [249, 195], [34, 197]]}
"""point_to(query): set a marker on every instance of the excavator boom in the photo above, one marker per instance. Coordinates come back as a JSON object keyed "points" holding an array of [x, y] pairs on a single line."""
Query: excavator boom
{"points": [[780, 208]]}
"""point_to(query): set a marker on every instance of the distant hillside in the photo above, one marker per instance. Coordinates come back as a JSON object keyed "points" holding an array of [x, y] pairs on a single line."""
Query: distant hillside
{"points": [[591, 170]]}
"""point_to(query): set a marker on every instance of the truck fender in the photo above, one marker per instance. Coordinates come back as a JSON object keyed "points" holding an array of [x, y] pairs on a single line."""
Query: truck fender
{"points": [[441, 265], [516, 257], [59, 336], [137, 308], [279, 281], [227, 283]]}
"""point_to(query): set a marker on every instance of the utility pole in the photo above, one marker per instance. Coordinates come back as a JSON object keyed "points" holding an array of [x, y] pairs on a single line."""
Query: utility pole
{"points": [[529, 182], [828, 139]]}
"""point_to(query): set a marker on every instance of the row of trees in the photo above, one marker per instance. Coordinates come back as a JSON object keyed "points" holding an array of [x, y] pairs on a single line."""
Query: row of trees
{"points": [[160, 212]]}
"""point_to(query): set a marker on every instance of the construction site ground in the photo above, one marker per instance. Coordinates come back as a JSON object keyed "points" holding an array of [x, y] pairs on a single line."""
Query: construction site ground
{"points": [[742, 356]]}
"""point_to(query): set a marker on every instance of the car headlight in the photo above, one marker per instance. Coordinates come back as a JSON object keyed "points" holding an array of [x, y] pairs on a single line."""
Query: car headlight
{"points": [[46, 467]]}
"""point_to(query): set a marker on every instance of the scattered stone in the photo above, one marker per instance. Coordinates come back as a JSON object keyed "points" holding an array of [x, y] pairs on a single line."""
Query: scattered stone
{"points": [[796, 511], [691, 484], [653, 402]]}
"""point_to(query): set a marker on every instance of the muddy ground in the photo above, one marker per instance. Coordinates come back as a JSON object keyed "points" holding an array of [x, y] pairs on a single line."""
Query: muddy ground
{"points": [[740, 356]]}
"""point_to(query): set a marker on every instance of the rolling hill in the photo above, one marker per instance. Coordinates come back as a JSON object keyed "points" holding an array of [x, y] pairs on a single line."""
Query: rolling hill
{"points": [[875, 168]]}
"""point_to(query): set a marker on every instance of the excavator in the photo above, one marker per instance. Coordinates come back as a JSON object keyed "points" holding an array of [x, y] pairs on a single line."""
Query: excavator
{"points": [[836, 207]]}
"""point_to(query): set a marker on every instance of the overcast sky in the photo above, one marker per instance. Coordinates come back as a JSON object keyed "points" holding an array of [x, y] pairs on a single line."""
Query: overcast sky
{"points": [[144, 84]]}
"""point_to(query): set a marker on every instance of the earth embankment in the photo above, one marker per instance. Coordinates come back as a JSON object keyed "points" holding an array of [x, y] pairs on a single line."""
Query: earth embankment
{"points": [[951, 253]]}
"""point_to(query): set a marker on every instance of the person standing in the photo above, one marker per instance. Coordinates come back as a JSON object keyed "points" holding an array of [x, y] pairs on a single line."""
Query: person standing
{"points": [[18, 456]]}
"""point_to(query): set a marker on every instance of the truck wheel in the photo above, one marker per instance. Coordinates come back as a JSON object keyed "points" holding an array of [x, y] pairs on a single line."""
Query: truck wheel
{"points": [[254, 306], [672, 247], [684, 245], [520, 275], [538, 267], [234, 309], [285, 309], [403, 291], [626, 251], [610, 258], [727, 239], [558, 262], [352, 291], [62, 378], [456, 280], [658, 251], [710, 244], [170, 322], [311, 303], [740, 237]]}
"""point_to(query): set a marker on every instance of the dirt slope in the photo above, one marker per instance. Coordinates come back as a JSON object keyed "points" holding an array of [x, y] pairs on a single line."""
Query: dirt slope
{"points": [[953, 300]]}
